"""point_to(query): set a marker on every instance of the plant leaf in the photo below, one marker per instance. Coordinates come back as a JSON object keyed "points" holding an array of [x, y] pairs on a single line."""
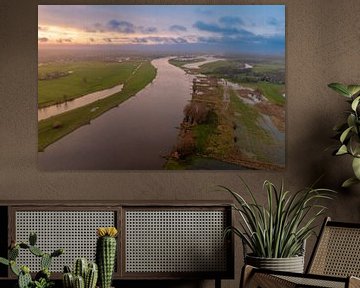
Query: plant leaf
{"points": [[353, 89], [340, 88], [342, 150], [355, 103], [4, 261], [349, 182], [356, 167], [345, 134]]}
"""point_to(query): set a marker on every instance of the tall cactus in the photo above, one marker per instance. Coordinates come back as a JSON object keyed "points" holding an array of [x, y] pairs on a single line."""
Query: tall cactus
{"points": [[106, 254]]}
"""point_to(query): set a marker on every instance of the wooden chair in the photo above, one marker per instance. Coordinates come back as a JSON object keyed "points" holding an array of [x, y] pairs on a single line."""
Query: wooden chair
{"points": [[335, 262]]}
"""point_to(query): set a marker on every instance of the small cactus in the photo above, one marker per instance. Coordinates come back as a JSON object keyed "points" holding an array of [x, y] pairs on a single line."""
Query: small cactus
{"points": [[32, 239], [91, 276], [80, 268], [79, 282], [106, 254], [68, 280], [45, 261], [88, 273], [14, 268], [13, 253], [24, 278], [36, 251]]}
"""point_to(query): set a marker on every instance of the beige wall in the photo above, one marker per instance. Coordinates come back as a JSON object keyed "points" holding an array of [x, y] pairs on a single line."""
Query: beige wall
{"points": [[323, 46]]}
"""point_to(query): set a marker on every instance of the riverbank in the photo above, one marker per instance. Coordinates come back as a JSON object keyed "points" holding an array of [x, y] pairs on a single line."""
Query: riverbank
{"points": [[133, 136], [60, 82], [229, 126], [56, 127]]}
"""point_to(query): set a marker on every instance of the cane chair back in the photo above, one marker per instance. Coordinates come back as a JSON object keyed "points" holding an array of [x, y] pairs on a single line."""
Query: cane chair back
{"points": [[337, 252]]}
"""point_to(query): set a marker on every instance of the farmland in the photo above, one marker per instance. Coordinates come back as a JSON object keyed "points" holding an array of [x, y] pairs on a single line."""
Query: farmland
{"points": [[60, 82], [135, 77], [236, 117]]}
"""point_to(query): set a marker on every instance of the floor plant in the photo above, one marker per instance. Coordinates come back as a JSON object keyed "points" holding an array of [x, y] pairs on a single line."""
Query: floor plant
{"points": [[279, 228]]}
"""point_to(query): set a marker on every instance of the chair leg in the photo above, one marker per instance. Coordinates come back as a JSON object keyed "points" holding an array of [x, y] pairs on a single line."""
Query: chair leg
{"points": [[246, 273], [250, 278]]}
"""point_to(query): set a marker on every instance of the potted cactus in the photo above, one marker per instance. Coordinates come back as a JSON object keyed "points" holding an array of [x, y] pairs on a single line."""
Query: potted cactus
{"points": [[84, 275], [42, 278], [106, 254]]}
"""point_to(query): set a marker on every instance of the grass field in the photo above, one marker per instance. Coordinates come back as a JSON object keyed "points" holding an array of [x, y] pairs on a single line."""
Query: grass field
{"points": [[268, 67], [218, 66], [180, 63], [83, 78], [273, 92], [54, 128]]}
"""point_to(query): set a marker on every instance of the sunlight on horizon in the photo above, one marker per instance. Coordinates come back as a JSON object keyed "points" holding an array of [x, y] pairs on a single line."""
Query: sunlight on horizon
{"points": [[244, 27]]}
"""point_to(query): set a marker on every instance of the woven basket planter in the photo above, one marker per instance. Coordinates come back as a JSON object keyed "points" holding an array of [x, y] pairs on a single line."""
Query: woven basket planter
{"points": [[291, 264]]}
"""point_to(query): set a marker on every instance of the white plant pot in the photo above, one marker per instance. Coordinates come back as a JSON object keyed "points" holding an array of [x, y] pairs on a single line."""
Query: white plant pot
{"points": [[291, 264]]}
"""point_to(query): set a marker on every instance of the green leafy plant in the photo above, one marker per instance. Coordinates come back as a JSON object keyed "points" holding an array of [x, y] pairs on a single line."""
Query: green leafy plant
{"points": [[42, 278], [349, 131], [280, 229]]}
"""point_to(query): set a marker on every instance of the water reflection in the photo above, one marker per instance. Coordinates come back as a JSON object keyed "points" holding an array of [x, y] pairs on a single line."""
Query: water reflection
{"points": [[53, 110], [134, 135]]}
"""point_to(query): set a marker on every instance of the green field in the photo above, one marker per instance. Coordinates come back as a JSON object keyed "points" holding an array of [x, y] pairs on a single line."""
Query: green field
{"points": [[268, 67], [180, 63], [273, 92], [233, 71], [83, 78], [217, 67], [54, 128]]}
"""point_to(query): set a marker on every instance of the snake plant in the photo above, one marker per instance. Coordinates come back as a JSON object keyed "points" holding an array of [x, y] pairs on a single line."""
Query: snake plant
{"points": [[280, 228], [349, 132]]}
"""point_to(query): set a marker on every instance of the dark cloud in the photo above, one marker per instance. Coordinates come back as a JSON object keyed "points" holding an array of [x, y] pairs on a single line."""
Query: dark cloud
{"points": [[215, 28], [177, 28], [91, 39], [120, 26], [123, 27], [108, 40], [231, 21], [148, 30], [254, 43], [64, 40], [43, 39], [158, 40]]}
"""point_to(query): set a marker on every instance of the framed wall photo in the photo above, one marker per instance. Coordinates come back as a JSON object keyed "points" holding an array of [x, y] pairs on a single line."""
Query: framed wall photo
{"points": [[154, 87]]}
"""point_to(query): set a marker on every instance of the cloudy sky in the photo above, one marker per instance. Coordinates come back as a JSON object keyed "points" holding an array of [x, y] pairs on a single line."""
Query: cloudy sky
{"points": [[243, 28]]}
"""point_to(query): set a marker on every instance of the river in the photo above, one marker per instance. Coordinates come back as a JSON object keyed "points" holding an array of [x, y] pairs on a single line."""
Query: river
{"points": [[57, 109], [135, 135]]}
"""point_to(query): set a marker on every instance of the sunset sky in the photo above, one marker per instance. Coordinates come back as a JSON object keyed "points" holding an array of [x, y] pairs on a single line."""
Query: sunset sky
{"points": [[246, 28]]}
